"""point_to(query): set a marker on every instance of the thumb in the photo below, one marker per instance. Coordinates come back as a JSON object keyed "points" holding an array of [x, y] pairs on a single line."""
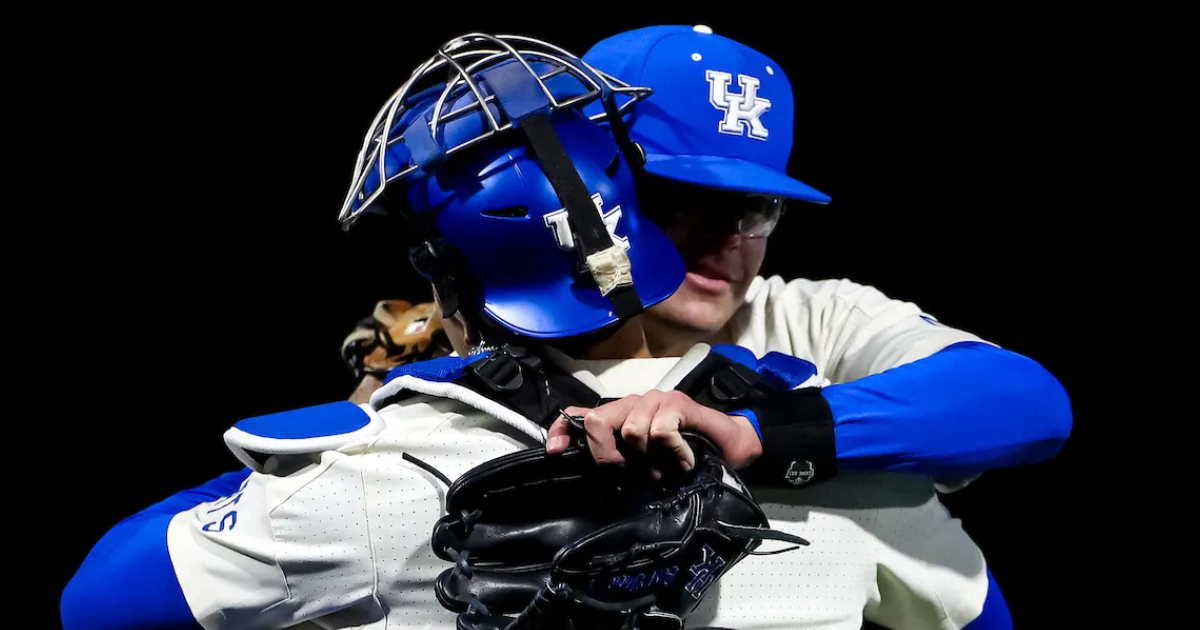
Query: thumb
{"points": [[556, 442], [558, 437]]}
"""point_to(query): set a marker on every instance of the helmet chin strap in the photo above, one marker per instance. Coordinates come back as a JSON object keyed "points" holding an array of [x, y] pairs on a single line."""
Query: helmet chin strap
{"points": [[522, 98]]}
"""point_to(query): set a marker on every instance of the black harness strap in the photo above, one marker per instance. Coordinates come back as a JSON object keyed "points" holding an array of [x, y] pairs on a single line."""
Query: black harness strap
{"points": [[721, 383], [585, 219], [797, 425], [539, 390], [521, 96], [524, 383]]}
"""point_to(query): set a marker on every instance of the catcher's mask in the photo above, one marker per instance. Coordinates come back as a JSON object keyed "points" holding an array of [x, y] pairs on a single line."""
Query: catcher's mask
{"points": [[525, 207]]}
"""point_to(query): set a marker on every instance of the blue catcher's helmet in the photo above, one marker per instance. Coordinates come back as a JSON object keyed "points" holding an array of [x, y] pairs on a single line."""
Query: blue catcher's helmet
{"points": [[526, 207]]}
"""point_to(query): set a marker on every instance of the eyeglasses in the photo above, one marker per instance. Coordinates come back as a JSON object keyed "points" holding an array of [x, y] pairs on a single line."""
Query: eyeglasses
{"points": [[675, 204]]}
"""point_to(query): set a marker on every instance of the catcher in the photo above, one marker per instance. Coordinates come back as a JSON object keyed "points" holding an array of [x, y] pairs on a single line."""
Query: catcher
{"points": [[436, 505]]}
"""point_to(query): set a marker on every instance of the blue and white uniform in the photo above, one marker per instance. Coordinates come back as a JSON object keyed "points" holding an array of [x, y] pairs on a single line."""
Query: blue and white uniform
{"points": [[334, 528], [329, 524]]}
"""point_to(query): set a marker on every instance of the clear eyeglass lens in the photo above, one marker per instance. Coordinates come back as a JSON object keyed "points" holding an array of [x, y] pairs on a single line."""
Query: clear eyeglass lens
{"points": [[761, 221]]}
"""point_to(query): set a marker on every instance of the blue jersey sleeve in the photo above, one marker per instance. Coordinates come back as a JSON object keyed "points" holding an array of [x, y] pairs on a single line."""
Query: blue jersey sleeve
{"points": [[965, 410], [968, 409], [127, 581]]}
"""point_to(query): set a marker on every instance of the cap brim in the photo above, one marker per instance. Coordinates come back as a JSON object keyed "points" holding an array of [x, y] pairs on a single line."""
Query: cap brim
{"points": [[728, 173]]}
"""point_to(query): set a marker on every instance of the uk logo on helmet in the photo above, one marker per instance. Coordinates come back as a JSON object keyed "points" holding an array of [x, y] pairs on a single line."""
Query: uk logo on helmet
{"points": [[561, 228], [743, 112]]}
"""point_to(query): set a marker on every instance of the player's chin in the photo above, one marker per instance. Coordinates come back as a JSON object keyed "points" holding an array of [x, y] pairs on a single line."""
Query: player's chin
{"points": [[698, 309]]}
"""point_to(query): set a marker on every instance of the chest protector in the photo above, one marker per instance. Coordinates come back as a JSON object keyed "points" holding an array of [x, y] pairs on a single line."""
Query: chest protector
{"points": [[727, 379]]}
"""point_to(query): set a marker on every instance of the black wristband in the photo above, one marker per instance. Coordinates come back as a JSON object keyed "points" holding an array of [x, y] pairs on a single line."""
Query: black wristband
{"points": [[799, 446]]}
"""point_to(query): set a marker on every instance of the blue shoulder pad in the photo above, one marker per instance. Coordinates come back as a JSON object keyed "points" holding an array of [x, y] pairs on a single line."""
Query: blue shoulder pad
{"points": [[439, 370], [304, 431], [737, 354], [787, 371], [780, 370]]}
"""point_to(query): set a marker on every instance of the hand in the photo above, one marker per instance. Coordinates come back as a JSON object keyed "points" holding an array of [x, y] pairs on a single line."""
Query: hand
{"points": [[656, 419]]}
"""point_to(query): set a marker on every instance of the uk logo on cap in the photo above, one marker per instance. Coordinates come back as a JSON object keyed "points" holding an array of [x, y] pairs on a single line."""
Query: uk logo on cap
{"points": [[743, 110]]}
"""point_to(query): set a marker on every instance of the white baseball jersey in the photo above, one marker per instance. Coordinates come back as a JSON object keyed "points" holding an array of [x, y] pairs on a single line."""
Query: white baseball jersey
{"points": [[341, 538], [848, 330]]}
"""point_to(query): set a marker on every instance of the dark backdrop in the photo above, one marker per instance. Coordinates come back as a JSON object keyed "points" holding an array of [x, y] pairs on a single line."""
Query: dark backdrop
{"points": [[211, 281]]}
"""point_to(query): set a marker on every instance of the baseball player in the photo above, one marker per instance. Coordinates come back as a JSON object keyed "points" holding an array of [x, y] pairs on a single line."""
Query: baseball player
{"points": [[329, 525], [911, 394], [716, 138]]}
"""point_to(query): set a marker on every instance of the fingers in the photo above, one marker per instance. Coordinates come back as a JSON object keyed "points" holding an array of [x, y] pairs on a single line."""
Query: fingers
{"points": [[665, 433], [672, 415], [601, 425], [558, 436], [653, 420], [635, 429]]}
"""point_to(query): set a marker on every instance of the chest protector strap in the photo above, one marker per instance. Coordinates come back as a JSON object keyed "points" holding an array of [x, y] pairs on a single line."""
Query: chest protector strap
{"points": [[721, 383], [527, 384], [539, 390]]}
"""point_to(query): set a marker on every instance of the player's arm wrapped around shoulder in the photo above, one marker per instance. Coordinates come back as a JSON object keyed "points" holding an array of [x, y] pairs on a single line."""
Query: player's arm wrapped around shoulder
{"points": [[544, 541], [965, 410], [909, 393], [127, 579]]}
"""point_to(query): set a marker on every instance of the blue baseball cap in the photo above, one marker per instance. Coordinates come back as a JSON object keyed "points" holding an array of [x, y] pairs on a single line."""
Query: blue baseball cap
{"points": [[722, 113]]}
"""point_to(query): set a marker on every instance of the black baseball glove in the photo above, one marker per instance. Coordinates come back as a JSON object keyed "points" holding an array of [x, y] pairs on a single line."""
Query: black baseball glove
{"points": [[558, 541]]}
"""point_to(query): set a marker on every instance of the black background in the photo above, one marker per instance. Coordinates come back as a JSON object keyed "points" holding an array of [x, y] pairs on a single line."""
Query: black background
{"points": [[198, 255]]}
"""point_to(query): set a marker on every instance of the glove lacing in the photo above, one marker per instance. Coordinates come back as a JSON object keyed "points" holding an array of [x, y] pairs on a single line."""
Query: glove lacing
{"points": [[743, 532], [461, 573]]}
